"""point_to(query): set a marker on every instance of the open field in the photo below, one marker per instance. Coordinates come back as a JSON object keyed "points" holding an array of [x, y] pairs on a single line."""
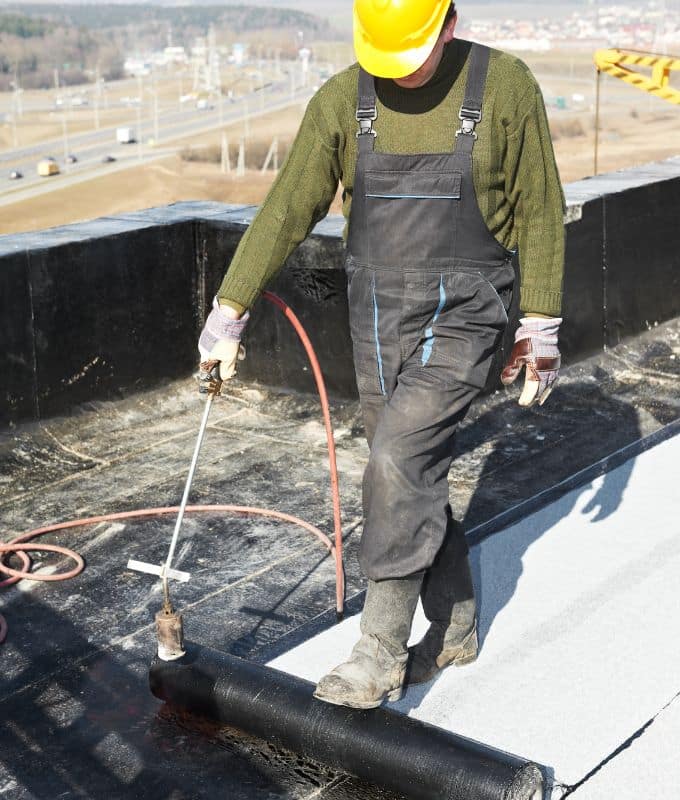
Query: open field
{"points": [[635, 128]]}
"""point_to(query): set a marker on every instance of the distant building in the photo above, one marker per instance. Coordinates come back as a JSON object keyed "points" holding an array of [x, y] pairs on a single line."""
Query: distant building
{"points": [[136, 65], [175, 55], [239, 53], [524, 44]]}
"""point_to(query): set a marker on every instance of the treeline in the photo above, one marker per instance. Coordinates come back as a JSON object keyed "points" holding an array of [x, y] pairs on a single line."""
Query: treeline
{"points": [[36, 39], [30, 60], [23, 26], [239, 19]]}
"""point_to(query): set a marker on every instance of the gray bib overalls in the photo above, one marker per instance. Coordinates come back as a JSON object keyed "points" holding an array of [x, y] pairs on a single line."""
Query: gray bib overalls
{"points": [[428, 288]]}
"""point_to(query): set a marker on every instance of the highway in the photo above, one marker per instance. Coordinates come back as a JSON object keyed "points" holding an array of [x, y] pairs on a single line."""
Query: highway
{"points": [[92, 147], [156, 131]]}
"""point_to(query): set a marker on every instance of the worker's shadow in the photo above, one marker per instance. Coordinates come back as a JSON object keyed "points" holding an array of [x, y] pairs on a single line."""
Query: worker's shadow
{"points": [[591, 426]]}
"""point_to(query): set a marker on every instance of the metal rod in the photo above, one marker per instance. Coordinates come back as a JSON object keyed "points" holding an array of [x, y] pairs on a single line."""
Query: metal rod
{"points": [[185, 498]]}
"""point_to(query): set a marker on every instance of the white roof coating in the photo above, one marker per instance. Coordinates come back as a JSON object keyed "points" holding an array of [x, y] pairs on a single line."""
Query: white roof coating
{"points": [[580, 626], [646, 768]]}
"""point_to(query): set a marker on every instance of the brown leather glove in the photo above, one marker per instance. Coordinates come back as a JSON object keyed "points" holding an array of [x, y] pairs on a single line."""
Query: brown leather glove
{"points": [[535, 349]]}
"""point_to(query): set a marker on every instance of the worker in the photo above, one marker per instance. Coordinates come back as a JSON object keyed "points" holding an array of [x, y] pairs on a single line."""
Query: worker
{"points": [[444, 154]]}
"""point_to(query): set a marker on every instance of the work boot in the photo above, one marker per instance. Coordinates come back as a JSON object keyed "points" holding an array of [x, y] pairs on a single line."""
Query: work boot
{"points": [[375, 670], [448, 599]]}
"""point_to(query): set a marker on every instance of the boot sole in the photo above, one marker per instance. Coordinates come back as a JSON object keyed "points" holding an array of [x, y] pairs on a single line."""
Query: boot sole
{"points": [[392, 697], [463, 660], [457, 662]]}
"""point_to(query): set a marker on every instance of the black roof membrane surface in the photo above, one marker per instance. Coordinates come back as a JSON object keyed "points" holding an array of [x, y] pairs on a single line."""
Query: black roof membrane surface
{"points": [[78, 718]]}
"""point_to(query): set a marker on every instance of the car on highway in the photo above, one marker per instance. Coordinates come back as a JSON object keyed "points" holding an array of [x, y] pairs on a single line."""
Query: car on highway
{"points": [[71, 159], [14, 175], [48, 166], [125, 135], [108, 159]]}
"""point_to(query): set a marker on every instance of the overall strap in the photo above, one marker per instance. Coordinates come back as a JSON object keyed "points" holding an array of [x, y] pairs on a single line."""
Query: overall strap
{"points": [[471, 111], [367, 111]]}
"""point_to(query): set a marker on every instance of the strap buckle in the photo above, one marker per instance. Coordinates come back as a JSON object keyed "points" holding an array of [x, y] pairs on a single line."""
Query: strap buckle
{"points": [[470, 113], [366, 117], [469, 118]]}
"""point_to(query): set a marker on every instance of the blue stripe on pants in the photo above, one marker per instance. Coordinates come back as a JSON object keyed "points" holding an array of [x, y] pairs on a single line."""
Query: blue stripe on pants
{"points": [[377, 340], [429, 333]]}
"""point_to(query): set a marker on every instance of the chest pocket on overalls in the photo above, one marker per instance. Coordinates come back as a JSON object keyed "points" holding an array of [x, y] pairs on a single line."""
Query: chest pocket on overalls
{"points": [[412, 215]]}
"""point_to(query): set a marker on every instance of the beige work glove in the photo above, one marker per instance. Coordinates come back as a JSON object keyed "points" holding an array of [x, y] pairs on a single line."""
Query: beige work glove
{"points": [[535, 349], [220, 339]]}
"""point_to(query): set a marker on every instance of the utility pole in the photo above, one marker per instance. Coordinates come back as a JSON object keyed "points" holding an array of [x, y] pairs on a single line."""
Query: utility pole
{"points": [[246, 118], [272, 155], [139, 118], [154, 92], [225, 161], [660, 34], [220, 93], [15, 138], [97, 94], [15, 99], [139, 131], [156, 134], [15, 111], [18, 91], [64, 128], [241, 163], [305, 54]]}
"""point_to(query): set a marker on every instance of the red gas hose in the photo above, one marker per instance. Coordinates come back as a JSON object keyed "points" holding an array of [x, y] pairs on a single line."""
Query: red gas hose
{"points": [[19, 544], [332, 460]]}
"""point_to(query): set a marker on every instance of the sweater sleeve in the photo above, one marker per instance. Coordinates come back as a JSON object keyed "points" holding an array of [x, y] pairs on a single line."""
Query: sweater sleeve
{"points": [[535, 192], [299, 198]]}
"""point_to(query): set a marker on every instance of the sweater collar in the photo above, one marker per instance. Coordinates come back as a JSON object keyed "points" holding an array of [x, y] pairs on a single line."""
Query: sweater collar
{"points": [[425, 98]]}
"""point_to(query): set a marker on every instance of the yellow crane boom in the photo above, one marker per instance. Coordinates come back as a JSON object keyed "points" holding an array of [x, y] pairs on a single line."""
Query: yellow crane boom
{"points": [[621, 63]]}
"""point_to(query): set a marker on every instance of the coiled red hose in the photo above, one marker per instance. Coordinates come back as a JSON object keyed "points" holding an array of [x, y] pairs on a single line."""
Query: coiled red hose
{"points": [[23, 544]]}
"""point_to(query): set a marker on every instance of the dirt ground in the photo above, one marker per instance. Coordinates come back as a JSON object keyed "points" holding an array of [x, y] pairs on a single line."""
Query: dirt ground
{"points": [[635, 129], [161, 183]]}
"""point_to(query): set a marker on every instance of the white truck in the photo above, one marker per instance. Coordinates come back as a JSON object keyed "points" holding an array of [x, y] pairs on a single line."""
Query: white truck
{"points": [[125, 135]]}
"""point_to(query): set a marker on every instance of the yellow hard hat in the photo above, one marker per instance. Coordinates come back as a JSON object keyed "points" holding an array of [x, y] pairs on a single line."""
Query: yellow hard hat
{"points": [[393, 38]]}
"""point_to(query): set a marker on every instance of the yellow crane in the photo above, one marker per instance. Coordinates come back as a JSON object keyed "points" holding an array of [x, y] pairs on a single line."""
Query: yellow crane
{"points": [[624, 65]]}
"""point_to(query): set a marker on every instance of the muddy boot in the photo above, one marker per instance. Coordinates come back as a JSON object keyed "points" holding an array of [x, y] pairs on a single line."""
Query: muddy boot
{"points": [[375, 670], [448, 599]]}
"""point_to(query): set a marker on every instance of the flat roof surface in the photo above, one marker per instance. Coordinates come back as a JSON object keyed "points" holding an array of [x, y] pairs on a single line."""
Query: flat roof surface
{"points": [[579, 616], [571, 552]]}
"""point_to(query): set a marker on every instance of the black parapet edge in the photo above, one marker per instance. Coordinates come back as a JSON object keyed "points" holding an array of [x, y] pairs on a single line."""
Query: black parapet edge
{"points": [[53, 389]]}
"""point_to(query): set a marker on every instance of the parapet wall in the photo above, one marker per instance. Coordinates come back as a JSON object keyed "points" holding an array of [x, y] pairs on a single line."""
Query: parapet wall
{"points": [[91, 310]]}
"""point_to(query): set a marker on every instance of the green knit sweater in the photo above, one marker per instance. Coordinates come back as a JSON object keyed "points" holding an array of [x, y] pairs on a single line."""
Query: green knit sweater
{"points": [[515, 175]]}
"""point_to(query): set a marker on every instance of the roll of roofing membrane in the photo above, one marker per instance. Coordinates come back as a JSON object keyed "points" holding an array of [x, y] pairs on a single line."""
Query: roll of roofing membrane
{"points": [[418, 760]]}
